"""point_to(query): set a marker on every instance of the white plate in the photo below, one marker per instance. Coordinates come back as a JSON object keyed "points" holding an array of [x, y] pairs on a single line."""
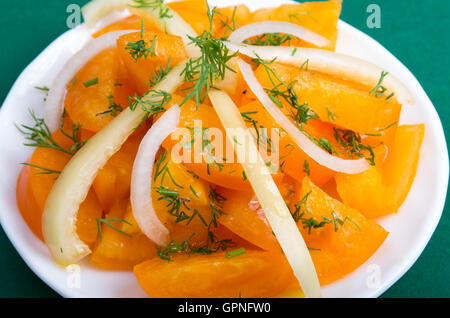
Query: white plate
{"points": [[410, 229]]}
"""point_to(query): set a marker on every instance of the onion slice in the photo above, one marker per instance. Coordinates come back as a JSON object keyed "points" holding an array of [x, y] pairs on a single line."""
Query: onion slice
{"points": [[309, 147], [275, 209], [340, 65], [167, 20], [142, 175], [258, 28], [54, 105], [74, 182]]}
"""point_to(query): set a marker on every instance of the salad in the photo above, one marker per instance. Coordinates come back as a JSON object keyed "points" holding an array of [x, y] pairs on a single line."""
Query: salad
{"points": [[218, 152]]}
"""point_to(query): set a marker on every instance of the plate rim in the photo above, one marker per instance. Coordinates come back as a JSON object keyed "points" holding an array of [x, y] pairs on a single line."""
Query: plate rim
{"points": [[341, 25]]}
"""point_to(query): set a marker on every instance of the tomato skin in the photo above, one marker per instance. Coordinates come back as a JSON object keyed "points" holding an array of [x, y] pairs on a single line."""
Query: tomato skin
{"points": [[253, 274]]}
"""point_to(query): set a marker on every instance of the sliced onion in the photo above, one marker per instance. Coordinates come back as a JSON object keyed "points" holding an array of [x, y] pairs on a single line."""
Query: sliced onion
{"points": [[258, 28], [171, 22], [74, 182], [309, 147], [141, 177], [340, 65], [272, 203], [54, 105]]}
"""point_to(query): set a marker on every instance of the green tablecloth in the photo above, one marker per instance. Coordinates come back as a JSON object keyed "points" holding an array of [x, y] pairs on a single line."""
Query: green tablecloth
{"points": [[416, 32]]}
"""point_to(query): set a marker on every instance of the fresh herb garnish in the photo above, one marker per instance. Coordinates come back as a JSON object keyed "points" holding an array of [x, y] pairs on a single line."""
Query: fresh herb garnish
{"points": [[43, 170], [202, 72], [306, 167], [212, 244], [270, 39], [159, 74], [162, 170], [42, 88], [163, 10], [40, 135], [379, 89], [113, 109], [176, 204], [106, 222], [331, 116], [234, 253], [352, 144], [141, 48], [91, 82], [151, 103], [282, 91], [337, 221]]}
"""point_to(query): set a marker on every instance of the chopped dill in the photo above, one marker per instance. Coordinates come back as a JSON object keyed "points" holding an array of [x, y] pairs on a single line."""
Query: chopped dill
{"points": [[40, 135], [91, 82], [43, 170], [202, 72], [379, 89], [270, 39], [107, 223], [159, 74], [176, 204], [306, 167], [141, 48], [163, 10], [234, 253], [162, 170], [113, 109], [353, 145], [331, 116]]}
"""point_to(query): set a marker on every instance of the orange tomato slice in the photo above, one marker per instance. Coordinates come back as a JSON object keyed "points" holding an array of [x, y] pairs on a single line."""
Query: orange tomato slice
{"points": [[168, 48], [320, 17], [253, 274], [341, 103], [117, 251], [102, 83], [381, 190]]}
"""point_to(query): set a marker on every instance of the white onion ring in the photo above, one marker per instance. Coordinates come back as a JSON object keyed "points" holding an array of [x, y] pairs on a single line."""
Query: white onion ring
{"points": [[141, 177], [54, 106], [258, 28], [340, 65], [310, 148]]}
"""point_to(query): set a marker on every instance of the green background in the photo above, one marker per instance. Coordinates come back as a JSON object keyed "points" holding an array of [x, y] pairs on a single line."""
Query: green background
{"points": [[416, 32]]}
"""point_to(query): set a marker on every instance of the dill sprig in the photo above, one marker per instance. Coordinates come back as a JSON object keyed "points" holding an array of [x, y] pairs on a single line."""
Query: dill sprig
{"points": [[91, 82], [379, 89], [234, 25], [339, 222], [212, 244], [353, 145], [281, 91], [162, 170], [310, 223], [272, 39], [151, 102], [163, 10], [43, 170], [176, 203], [40, 135], [306, 167], [261, 137], [234, 253], [159, 74], [211, 65], [113, 109], [141, 48], [107, 223]]}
